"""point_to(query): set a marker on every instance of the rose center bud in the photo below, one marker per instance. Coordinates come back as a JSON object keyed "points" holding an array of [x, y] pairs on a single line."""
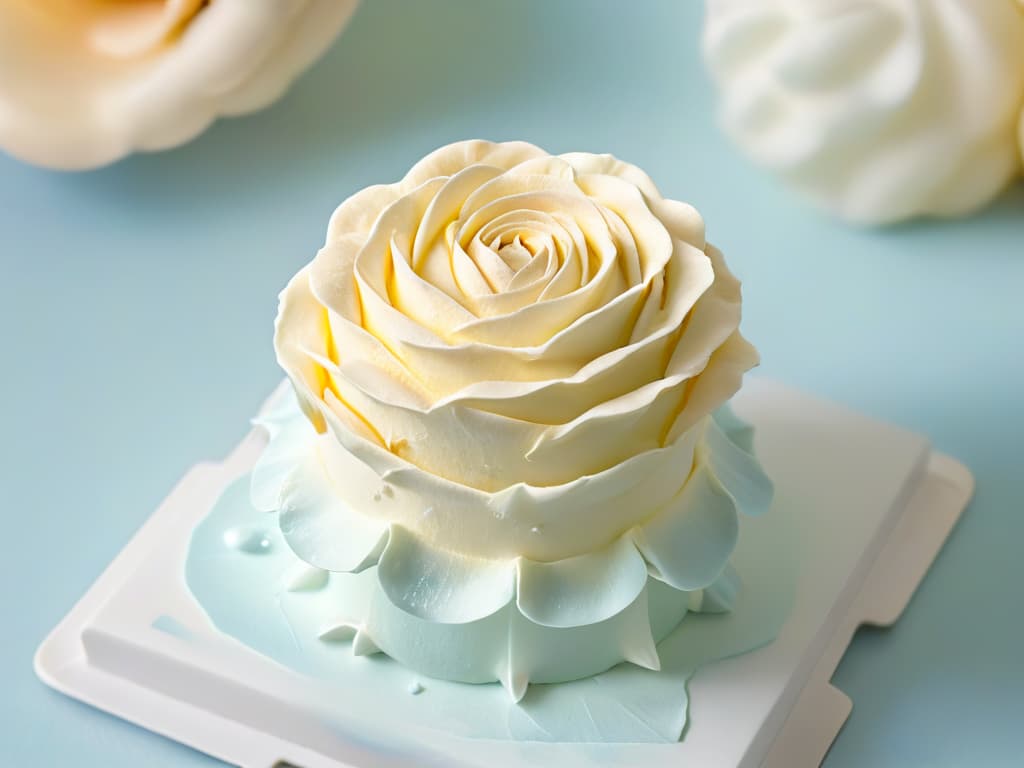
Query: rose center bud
{"points": [[115, 28], [515, 254]]}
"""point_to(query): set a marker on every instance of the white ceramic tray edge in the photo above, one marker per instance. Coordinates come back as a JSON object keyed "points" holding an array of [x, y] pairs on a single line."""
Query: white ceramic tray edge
{"points": [[932, 512]]}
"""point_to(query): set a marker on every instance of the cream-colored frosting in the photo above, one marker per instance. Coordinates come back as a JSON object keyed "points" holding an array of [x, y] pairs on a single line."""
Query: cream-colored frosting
{"points": [[517, 341], [84, 82], [508, 363], [878, 109]]}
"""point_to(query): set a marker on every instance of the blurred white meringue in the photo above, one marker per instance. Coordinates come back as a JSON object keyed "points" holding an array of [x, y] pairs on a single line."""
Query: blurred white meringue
{"points": [[880, 110], [85, 82]]}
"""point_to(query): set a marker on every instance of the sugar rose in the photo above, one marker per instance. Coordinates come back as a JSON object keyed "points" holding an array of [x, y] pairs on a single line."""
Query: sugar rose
{"points": [[508, 363], [85, 82]]}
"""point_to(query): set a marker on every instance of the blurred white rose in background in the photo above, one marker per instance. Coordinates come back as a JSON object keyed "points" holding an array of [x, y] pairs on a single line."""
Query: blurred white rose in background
{"points": [[85, 82], [879, 110]]}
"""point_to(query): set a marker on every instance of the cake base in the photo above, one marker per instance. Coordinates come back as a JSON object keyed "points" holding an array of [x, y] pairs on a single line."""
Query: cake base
{"points": [[870, 505]]}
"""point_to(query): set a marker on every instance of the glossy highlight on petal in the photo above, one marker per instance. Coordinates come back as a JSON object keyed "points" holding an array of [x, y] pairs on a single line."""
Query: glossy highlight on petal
{"points": [[690, 541], [442, 586], [581, 590], [321, 529]]}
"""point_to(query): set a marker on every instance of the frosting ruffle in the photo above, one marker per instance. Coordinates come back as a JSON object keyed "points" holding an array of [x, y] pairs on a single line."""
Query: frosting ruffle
{"points": [[515, 620]]}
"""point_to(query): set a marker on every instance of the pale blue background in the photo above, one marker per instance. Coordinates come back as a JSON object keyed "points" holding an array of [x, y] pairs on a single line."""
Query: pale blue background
{"points": [[138, 301]]}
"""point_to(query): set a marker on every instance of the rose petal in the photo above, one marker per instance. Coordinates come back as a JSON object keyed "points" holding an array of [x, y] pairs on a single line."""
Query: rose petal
{"points": [[720, 596], [300, 325], [624, 426], [452, 158], [289, 436], [720, 379], [581, 590], [736, 429], [442, 586], [321, 528], [445, 206], [608, 165], [132, 29], [738, 471], [580, 516], [690, 541]]}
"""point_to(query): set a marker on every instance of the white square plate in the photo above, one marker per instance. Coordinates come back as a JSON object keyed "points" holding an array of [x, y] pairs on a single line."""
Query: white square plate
{"points": [[869, 506]]}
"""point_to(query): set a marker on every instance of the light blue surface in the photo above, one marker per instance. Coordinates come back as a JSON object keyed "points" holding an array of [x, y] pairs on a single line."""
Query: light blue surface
{"points": [[138, 303]]}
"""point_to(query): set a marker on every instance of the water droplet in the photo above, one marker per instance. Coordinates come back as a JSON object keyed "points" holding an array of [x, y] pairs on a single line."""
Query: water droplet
{"points": [[252, 541], [376, 496], [428, 511], [415, 688], [537, 529], [388, 491]]}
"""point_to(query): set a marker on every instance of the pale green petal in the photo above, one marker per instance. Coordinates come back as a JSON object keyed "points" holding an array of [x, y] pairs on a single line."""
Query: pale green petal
{"points": [[321, 529], [442, 586], [690, 542], [582, 590]]}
